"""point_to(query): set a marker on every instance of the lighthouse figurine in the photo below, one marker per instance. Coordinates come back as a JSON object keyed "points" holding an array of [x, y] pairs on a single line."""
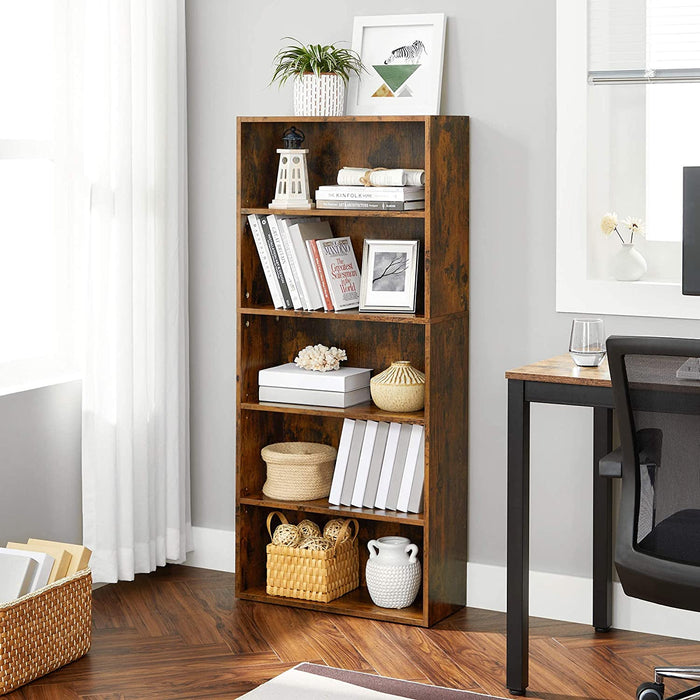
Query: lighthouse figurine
{"points": [[292, 190]]}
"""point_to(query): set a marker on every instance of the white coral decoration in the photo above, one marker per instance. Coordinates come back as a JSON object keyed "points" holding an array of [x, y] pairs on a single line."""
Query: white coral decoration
{"points": [[320, 358]]}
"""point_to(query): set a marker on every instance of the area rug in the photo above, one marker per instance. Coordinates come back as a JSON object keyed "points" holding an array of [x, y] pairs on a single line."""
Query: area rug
{"points": [[307, 681]]}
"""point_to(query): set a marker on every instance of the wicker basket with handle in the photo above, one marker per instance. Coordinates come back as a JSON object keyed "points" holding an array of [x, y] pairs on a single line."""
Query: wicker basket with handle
{"points": [[45, 630], [308, 574]]}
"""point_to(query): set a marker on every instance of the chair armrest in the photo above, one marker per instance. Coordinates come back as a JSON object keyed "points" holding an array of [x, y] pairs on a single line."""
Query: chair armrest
{"points": [[611, 465]]}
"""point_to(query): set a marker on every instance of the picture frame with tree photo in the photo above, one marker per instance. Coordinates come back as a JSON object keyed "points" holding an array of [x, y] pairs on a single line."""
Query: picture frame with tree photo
{"points": [[389, 276]]}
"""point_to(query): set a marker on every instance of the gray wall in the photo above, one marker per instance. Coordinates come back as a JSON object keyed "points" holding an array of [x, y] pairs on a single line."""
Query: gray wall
{"points": [[500, 69], [40, 464]]}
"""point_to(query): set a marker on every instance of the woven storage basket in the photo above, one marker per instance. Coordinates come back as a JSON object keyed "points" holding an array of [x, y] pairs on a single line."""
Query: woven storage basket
{"points": [[45, 630], [298, 471], [307, 574]]}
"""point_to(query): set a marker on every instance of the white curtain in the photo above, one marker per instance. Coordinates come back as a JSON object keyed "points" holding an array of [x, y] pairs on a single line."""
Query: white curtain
{"points": [[129, 124]]}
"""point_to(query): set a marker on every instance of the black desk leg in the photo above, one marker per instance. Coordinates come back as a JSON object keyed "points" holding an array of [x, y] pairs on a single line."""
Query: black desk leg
{"points": [[602, 523], [518, 554]]}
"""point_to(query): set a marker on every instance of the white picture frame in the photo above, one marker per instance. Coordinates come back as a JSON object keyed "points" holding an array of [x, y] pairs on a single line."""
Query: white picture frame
{"points": [[403, 57], [389, 279]]}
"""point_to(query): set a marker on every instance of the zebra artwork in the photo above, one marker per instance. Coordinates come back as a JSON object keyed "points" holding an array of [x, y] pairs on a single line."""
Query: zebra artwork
{"points": [[407, 54]]}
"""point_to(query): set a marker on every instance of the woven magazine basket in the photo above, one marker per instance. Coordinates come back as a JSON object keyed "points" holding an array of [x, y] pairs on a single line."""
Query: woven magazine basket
{"points": [[298, 471], [45, 630], [308, 574]]}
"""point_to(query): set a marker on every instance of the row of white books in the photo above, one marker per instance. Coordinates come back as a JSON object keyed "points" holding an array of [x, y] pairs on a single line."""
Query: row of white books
{"points": [[304, 265], [380, 465], [27, 567], [379, 198]]}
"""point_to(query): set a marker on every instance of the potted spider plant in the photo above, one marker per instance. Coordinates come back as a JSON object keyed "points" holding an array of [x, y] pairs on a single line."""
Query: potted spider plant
{"points": [[320, 75]]}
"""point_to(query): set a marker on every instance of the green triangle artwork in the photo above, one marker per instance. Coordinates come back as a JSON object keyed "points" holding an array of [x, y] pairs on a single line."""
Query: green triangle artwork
{"points": [[395, 78]]}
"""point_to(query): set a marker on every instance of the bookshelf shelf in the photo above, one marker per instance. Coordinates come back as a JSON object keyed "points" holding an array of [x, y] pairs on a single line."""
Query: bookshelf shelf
{"points": [[434, 339]]}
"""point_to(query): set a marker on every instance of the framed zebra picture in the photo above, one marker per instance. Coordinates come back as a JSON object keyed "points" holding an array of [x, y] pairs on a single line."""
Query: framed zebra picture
{"points": [[402, 56]]}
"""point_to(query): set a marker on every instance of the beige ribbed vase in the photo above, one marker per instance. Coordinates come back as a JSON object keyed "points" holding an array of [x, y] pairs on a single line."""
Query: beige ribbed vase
{"points": [[399, 388]]}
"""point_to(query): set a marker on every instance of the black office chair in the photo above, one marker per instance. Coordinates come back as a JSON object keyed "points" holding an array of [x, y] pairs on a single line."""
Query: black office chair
{"points": [[657, 552]]}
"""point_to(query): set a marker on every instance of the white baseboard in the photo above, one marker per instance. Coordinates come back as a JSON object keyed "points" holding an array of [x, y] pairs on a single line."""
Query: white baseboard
{"points": [[213, 549], [561, 597], [553, 596]]}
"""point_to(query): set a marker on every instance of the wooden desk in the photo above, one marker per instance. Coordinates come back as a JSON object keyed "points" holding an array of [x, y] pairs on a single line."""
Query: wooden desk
{"points": [[557, 381]]}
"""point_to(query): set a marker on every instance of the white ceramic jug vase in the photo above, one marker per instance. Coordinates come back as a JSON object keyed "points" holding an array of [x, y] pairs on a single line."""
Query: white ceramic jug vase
{"points": [[393, 572]]}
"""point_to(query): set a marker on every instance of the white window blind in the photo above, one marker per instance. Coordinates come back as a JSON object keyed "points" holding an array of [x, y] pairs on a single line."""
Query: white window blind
{"points": [[633, 41]]}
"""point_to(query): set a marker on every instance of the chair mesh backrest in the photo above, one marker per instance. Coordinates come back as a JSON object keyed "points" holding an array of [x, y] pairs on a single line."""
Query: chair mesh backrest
{"points": [[667, 440]]}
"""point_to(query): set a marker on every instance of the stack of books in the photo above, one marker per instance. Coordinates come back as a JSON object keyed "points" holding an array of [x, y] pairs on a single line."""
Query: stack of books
{"points": [[404, 198], [304, 265], [340, 388], [27, 567], [380, 465]]}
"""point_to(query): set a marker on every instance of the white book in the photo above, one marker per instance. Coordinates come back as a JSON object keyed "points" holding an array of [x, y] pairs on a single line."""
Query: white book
{"points": [[284, 261], [299, 233], [358, 435], [392, 442], [44, 565], [342, 272], [264, 255], [358, 492], [341, 461], [392, 498], [375, 467], [16, 575], [295, 377], [381, 194], [415, 500], [291, 257], [313, 397], [409, 472]]}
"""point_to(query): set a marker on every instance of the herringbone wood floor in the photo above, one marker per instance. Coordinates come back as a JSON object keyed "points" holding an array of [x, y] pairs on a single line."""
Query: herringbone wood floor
{"points": [[179, 633]]}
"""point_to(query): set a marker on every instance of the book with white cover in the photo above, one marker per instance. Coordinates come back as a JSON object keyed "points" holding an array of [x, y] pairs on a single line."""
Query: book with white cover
{"points": [[300, 230], [382, 194], [283, 228], [16, 575], [392, 498], [375, 467], [415, 499], [313, 397], [44, 565], [295, 377], [341, 270], [284, 261], [341, 461], [392, 442], [409, 472], [264, 255], [358, 435], [358, 492]]}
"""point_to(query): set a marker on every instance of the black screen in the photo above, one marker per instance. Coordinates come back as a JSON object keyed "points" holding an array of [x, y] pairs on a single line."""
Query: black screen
{"points": [[691, 231]]}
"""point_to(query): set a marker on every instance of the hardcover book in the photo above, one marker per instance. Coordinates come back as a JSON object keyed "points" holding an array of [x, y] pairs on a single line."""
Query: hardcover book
{"points": [[358, 491], [319, 275], [358, 435], [301, 231], [314, 397], [266, 261], [341, 461], [341, 271], [16, 574], [295, 377], [276, 264], [380, 194], [284, 261], [44, 564], [383, 205]]}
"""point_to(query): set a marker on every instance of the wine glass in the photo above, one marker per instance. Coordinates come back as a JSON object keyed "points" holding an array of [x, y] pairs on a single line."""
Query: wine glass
{"points": [[587, 343]]}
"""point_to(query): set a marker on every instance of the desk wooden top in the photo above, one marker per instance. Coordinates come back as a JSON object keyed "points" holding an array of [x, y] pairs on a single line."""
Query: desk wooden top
{"points": [[562, 370]]}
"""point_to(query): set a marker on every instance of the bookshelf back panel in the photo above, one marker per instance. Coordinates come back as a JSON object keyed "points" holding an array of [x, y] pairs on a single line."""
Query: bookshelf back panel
{"points": [[331, 145], [254, 289], [267, 341]]}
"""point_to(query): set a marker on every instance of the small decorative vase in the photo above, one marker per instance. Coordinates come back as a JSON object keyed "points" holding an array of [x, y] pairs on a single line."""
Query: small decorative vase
{"points": [[319, 95], [399, 388], [393, 572], [628, 264]]}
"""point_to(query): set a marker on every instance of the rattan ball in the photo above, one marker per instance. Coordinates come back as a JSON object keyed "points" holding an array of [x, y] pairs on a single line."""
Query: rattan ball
{"points": [[286, 535], [308, 528], [332, 530], [317, 544]]}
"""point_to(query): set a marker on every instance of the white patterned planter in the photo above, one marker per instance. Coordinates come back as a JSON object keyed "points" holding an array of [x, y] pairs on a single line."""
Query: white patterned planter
{"points": [[319, 96]]}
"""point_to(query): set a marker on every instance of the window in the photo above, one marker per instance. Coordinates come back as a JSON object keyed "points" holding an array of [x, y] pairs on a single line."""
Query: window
{"points": [[35, 253], [621, 145]]}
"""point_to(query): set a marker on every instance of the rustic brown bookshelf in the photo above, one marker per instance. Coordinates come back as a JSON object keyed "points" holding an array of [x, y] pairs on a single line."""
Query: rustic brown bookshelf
{"points": [[434, 339]]}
